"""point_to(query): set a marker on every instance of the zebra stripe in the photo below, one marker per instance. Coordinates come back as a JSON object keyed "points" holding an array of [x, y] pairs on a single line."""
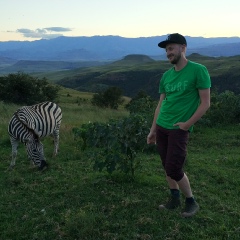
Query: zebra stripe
{"points": [[29, 124]]}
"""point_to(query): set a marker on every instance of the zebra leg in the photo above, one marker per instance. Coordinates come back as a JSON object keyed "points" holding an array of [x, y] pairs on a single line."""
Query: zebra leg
{"points": [[14, 144], [56, 142]]}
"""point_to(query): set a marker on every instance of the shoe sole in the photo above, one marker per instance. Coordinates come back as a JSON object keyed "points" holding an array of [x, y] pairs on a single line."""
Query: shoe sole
{"points": [[162, 207], [185, 214]]}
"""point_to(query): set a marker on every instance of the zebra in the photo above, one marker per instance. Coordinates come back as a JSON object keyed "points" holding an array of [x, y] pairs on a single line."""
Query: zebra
{"points": [[30, 123]]}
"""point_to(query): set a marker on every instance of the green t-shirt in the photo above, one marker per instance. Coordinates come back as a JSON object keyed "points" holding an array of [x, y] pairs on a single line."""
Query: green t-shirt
{"points": [[182, 97]]}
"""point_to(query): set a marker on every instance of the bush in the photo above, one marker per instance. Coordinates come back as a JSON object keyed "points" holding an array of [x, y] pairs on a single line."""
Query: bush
{"points": [[22, 88], [225, 109], [110, 98], [142, 104], [114, 145]]}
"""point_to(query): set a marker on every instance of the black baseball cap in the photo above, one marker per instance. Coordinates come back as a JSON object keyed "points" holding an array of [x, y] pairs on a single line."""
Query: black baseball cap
{"points": [[173, 38]]}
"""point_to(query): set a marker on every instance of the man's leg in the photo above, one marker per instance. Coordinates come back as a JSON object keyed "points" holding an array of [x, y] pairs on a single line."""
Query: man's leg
{"points": [[185, 187], [162, 139], [174, 199], [176, 155], [191, 206], [176, 178]]}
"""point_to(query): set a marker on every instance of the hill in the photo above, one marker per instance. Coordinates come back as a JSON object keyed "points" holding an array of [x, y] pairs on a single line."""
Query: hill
{"points": [[133, 59], [133, 74]]}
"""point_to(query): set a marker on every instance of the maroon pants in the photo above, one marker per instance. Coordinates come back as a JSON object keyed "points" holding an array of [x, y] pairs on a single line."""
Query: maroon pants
{"points": [[172, 148]]}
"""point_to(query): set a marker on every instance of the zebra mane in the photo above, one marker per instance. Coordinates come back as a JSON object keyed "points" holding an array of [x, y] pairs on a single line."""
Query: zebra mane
{"points": [[36, 137]]}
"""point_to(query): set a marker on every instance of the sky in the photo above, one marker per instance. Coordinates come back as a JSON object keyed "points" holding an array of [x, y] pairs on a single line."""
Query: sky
{"points": [[29, 20]]}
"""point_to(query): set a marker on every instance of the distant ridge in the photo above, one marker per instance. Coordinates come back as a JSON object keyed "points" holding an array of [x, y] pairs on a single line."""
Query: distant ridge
{"points": [[45, 66], [6, 60], [197, 57], [219, 50], [111, 48]]}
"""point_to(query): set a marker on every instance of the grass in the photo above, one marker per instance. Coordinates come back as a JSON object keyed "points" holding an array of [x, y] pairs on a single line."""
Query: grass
{"points": [[71, 201]]}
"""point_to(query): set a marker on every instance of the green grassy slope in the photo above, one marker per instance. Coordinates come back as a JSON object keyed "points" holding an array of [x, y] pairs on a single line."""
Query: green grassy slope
{"points": [[71, 201]]}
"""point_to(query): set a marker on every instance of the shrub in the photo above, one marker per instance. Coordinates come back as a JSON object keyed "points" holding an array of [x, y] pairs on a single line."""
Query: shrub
{"points": [[114, 145], [142, 104], [110, 98], [225, 109], [22, 88]]}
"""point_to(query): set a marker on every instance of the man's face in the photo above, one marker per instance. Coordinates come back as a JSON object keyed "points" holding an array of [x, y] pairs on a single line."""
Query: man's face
{"points": [[174, 52]]}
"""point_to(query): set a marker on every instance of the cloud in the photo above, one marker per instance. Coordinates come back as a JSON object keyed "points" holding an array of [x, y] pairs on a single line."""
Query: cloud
{"points": [[44, 33], [58, 29]]}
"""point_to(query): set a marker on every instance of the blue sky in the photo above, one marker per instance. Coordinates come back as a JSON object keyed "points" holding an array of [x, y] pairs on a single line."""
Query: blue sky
{"points": [[32, 20]]}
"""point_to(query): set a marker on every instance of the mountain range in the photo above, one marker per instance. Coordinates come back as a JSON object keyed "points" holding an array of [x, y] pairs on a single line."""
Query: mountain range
{"points": [[108, 48], [95, 63], [92, 64]]}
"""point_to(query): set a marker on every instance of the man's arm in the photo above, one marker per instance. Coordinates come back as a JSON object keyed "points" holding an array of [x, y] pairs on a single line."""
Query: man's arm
{"points": [[151, 138], [201, 110]]}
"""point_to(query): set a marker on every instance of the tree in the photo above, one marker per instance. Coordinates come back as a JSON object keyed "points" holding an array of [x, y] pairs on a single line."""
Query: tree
{"points": [[112, 98], [142, 104], [22, 88]]}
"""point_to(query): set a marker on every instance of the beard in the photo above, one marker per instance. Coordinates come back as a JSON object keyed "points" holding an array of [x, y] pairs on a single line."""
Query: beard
{"points": [[175, 59]]}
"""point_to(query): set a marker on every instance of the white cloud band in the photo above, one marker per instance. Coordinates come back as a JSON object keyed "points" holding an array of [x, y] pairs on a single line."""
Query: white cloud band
{"points": [[45, 33]]}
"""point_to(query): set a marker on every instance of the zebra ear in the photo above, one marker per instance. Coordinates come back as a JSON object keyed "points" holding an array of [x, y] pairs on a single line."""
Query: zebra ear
{"points": [[37, 133]]}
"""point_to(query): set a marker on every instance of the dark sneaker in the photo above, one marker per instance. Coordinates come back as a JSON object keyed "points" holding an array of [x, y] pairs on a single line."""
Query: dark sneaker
{"points": [[172, 203], [190, 209]]}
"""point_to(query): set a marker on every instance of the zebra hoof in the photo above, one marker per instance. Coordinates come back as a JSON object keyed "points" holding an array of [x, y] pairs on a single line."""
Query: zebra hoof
{"points": [[11, 167], [43, 165]]}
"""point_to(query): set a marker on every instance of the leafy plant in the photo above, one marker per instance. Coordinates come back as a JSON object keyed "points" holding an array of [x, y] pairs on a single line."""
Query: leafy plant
{"points": [[114, 145]]}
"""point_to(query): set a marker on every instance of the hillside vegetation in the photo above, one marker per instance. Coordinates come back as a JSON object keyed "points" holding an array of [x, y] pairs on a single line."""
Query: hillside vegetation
{"points": [[138, 72], [70, 200], [133, 73]]}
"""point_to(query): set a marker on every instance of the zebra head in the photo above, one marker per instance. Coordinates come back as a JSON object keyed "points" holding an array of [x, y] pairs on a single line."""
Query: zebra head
{"points": [[35, 151]]}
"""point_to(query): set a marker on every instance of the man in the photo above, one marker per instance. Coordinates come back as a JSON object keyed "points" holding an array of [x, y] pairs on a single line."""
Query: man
{"points": [[184, 99]]}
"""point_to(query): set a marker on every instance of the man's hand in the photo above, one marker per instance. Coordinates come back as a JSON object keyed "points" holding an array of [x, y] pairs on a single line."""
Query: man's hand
{"points": [[182, 125], [151, 138]]}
